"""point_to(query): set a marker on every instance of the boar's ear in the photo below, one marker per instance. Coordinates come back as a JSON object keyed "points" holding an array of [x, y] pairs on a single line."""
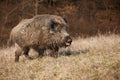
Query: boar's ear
{"points": [[53, 24], [65, 20]]}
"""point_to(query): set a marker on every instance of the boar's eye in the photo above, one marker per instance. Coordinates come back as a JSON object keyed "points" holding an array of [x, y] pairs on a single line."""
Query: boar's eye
{"points": [[53, 24], [64, 28]]}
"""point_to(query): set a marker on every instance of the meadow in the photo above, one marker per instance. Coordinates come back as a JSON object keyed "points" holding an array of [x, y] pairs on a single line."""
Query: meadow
{"points": [[90, 58]]}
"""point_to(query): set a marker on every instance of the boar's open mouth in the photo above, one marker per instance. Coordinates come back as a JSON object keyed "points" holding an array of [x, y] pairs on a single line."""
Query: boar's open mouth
{"points": [[67, 44]]}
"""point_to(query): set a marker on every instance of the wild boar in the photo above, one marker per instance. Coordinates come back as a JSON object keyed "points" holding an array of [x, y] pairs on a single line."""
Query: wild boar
{"points": [[40, 33]]}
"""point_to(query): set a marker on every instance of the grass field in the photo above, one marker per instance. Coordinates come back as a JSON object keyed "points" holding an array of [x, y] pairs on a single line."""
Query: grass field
{"points": [[93, 58]]}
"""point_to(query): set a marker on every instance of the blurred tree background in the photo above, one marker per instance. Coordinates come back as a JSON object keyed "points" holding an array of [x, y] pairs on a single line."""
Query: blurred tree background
{"points": [[85, 17]]}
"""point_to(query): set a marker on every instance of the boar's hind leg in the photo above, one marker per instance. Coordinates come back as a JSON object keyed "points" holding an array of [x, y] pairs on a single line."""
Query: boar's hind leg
{"points": [[18, 53], [26, 51]]}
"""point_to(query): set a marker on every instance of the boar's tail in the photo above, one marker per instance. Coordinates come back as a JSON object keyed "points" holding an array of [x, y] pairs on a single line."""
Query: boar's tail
{"points": [[10, 42]]}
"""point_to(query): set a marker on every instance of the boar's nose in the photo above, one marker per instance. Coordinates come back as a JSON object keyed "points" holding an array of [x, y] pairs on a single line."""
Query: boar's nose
{"points": [[68, 41]]}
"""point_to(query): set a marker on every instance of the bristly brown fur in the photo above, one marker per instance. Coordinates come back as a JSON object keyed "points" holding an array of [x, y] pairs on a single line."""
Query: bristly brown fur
{"points": [[40, 32]]}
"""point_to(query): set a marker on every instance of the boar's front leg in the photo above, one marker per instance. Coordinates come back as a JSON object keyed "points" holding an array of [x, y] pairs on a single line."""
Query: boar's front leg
{"points": [[54, 52]]}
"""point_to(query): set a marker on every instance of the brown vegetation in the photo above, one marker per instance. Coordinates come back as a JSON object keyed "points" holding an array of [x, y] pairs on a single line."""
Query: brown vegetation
{"points": [[85, 17]]}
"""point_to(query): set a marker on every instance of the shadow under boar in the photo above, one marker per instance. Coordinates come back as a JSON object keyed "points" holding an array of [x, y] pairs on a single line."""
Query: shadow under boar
{"points": [[40, 33]]}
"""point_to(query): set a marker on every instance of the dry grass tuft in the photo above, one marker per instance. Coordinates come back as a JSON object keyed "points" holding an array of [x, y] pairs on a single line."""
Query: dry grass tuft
{"points": [[94, 58]]}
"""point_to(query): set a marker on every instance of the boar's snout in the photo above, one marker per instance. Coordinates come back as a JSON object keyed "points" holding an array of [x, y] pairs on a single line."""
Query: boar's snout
{"points": [[68, 41]]}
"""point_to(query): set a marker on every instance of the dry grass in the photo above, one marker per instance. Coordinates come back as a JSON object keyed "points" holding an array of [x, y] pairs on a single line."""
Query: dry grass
{"points": [[94, 58]]}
